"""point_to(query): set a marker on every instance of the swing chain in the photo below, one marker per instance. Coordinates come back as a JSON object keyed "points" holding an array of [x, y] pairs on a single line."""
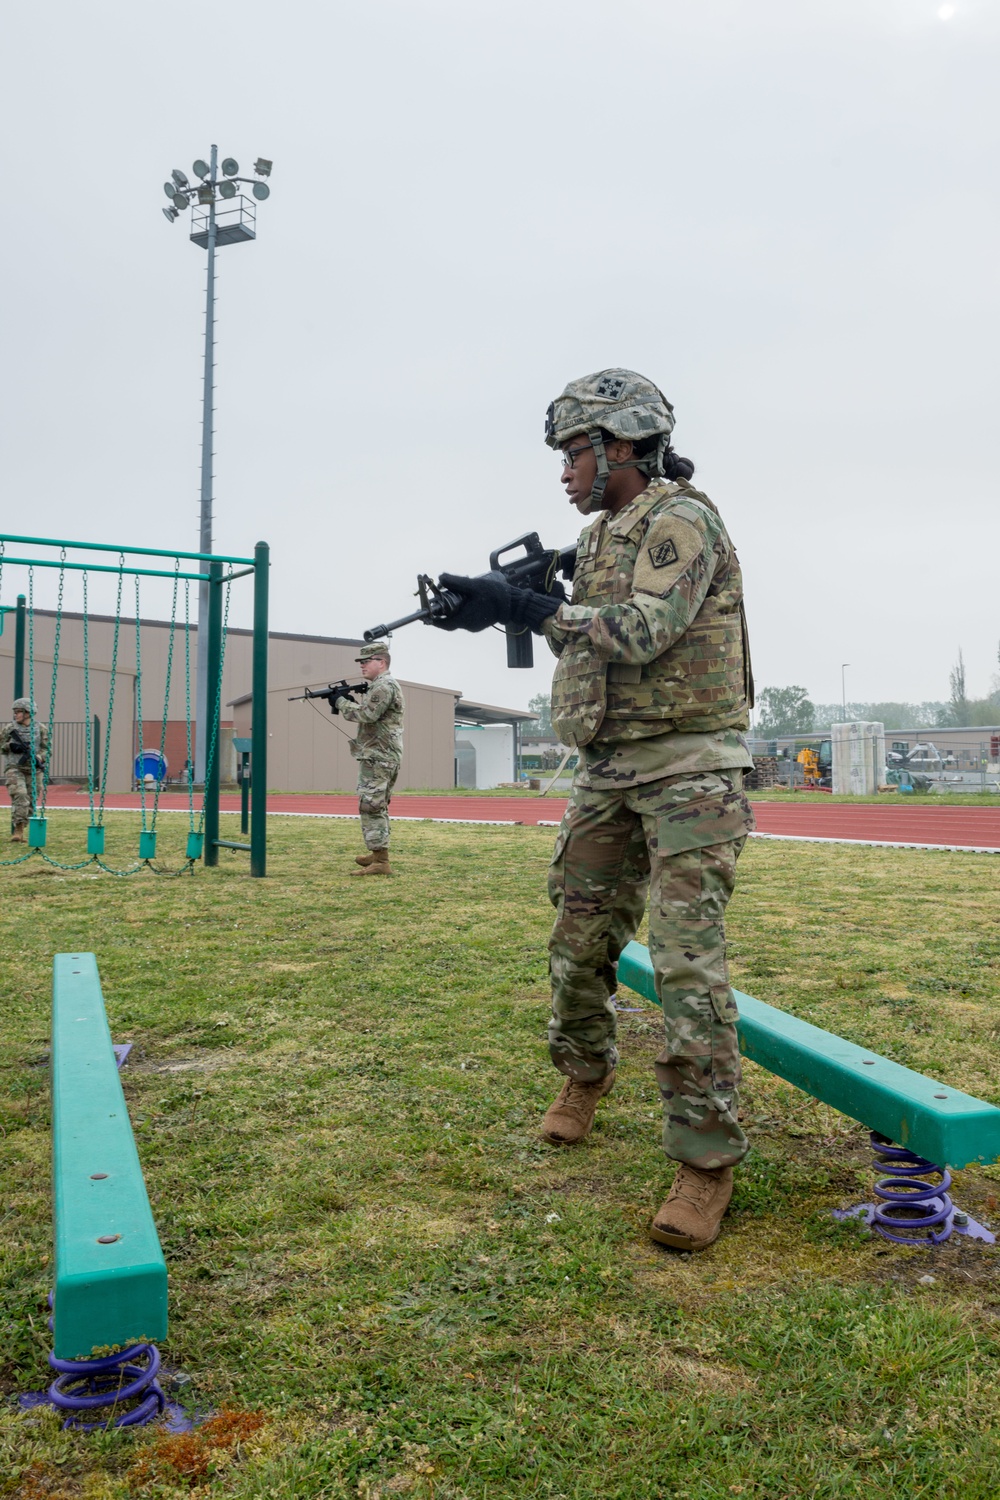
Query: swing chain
{"points": [[47, 769], [89, 724], [210, 758], [166, 691], [187, 702], [111, 692]]}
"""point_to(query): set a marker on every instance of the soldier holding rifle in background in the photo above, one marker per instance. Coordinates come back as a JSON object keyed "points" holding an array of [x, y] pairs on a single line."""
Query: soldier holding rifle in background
{"points": [[653, 686], [378, 749], [22, 743]]}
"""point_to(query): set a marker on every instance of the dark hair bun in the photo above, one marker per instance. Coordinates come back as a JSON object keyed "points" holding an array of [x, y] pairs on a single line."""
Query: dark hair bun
{"points": [[675, 467]]}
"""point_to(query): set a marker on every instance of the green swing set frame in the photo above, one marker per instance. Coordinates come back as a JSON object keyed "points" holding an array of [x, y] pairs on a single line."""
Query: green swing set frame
{"points": [[222, 570]]}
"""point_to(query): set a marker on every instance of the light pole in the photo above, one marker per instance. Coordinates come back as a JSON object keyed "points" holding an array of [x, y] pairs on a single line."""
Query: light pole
{"points": [[211, 228], [843, 688]]}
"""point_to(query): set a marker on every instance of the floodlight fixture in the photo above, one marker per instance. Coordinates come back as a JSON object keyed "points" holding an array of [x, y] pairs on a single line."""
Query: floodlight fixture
{"points": [[211, 229]]}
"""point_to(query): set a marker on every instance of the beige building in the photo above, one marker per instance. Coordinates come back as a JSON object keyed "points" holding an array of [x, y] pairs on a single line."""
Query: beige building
{"points": [[308, 746]]}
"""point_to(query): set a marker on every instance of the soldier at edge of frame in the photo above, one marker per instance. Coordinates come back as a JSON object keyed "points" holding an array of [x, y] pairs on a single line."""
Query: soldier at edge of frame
{"points": [[19, 741]]}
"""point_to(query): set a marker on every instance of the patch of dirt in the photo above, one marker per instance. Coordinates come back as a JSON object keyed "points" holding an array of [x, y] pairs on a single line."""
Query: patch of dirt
{"points": [[205, 1062], [274, 968], [676, 1369], [581, 1187]]}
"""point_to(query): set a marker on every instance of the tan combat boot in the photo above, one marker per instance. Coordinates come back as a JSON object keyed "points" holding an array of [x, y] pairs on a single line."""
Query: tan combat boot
{"points": [[570, 1118], [17, 834], [691, 1217], [363, 859], [378, 865]]}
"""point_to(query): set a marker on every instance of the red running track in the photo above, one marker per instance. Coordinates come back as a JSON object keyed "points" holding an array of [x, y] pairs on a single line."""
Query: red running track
{"points": [[894, 823]]}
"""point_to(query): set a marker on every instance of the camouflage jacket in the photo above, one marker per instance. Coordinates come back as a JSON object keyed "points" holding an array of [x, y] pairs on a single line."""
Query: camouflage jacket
{"points": [[27, 733], [654, 639], [379, 717]]}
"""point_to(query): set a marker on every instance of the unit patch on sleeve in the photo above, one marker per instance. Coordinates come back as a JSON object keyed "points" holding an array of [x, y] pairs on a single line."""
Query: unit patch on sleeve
{"points": [[671, 546], [663, 553]]}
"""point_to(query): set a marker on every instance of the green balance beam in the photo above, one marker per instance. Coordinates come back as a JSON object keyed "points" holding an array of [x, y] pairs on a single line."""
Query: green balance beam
{"points": [[111, 1278], [932, 1119]]}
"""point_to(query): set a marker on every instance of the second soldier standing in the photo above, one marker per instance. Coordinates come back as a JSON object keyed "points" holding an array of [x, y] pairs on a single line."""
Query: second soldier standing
{"points": [[378, 750]]}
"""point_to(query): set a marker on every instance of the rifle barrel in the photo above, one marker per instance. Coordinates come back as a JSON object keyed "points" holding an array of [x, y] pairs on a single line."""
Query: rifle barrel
{"points": [[377, 632]]}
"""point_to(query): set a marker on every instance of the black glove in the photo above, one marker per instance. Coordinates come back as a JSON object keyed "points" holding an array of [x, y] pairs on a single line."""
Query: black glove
{"points": [[493, 601]]}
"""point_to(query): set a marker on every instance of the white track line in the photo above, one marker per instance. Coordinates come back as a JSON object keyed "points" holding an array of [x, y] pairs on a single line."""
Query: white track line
{"points": [[814, 838], [791, 838]]}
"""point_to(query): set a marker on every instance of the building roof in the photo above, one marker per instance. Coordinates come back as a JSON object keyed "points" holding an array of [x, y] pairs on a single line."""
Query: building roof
{"points": [[467, 712], [272, 635]]}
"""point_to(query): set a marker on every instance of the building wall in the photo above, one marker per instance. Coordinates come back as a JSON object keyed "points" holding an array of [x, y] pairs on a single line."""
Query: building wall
{"points": [[493, 748], [308, 748]]}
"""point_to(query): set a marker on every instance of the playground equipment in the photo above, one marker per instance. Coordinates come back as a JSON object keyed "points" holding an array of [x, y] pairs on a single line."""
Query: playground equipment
{"points": [[203, 829], [931, 1121], [110, 1275]]}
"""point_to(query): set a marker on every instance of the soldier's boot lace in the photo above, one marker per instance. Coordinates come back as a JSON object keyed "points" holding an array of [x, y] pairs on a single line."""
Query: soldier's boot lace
{"points": [[571, 1116], [691, 1217], [379, 864], [17, 834]]}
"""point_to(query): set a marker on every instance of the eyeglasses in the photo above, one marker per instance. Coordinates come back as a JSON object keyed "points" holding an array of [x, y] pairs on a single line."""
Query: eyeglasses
{"points": [[570, 455]]}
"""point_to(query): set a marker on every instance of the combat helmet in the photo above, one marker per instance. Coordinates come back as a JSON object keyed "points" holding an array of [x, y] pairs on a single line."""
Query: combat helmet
{"points": [[621, 402], [25, 704]]}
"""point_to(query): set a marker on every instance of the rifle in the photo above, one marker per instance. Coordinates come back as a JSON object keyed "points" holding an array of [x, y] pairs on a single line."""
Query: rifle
{"points": [[537, 568], [333, 693], [17, 746]]}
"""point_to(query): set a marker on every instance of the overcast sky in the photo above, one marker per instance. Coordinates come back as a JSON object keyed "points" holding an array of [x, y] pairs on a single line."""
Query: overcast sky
{"points": [[782, 212]]}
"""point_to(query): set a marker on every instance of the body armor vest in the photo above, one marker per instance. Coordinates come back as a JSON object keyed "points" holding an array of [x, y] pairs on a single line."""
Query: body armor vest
{"points": [[700, 684]]}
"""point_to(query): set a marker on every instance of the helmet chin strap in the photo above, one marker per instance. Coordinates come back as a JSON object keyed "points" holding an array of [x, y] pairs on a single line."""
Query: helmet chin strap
{"points": [[651, 465]]}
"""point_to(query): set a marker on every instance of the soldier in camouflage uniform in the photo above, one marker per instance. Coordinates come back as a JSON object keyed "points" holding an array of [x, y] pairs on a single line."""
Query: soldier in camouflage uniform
{"points": [[653, 686], [18, 742], [378, 749]]}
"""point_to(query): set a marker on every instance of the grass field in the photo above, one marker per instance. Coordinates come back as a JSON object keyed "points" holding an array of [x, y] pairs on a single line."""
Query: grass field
{"points": [[387, 1285]]}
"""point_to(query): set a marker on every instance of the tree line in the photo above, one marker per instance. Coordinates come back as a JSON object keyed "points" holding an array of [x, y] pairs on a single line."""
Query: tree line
{"points": [[790, 710]]}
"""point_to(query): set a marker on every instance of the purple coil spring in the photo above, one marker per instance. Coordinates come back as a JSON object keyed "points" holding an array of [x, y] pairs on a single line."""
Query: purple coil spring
{"points": [[86, 1385], [115, 1381], [911, 1210]]}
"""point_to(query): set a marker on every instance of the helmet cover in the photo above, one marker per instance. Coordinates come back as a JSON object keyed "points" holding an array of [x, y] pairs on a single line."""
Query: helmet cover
{"points": [[622, 402]]}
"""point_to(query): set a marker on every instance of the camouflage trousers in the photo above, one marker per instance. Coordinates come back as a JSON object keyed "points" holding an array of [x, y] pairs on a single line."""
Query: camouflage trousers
{"points": [[376, 779], [19, 787], [676, 841]]}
